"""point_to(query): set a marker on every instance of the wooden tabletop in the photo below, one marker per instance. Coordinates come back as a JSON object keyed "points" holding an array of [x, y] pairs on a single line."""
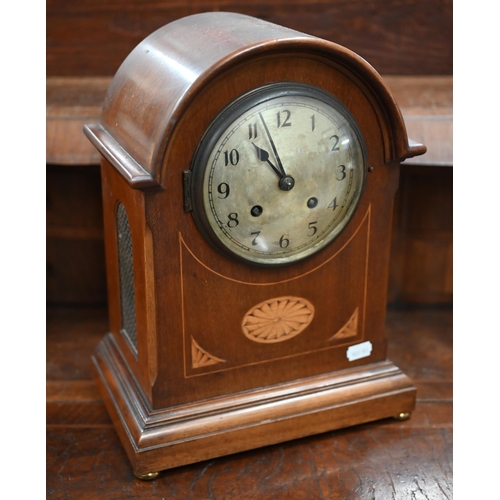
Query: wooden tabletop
{"points": [[381, 460]]}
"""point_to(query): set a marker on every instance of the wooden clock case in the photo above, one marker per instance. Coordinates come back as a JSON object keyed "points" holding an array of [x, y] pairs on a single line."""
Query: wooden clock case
{"points": [[181, 377]]}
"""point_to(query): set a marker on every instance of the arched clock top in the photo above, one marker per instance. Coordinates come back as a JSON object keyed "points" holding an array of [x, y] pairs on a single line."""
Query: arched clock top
{"points": [[163, 75]]}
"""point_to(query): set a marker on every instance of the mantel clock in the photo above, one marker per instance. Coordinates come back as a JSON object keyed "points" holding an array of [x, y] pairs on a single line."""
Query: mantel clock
{"points": [[248, 178]]}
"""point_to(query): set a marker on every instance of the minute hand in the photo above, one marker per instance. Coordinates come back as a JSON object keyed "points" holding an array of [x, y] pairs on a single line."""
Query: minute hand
{"points": [[280, 165]]}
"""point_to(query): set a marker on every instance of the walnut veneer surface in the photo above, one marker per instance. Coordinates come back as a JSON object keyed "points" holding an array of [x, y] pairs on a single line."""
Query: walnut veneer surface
{"points": [[381, 460]]}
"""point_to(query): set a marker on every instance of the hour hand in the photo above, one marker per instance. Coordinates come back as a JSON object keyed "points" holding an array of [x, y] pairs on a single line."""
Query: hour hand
{"points": [[263, 155], [286, 182]]}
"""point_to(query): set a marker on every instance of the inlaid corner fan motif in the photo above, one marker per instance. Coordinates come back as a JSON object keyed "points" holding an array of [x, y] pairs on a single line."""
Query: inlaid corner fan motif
{"points": [[350, 329], [278, 319], [201, 358]]}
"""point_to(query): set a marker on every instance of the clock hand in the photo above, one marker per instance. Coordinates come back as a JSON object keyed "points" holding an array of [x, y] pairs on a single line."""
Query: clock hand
{"points": [[280, 165], [263, 155], [286, 182]]}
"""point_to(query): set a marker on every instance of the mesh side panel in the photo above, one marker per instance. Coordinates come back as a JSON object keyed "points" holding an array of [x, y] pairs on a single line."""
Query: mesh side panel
{"points": [[126, 262]]}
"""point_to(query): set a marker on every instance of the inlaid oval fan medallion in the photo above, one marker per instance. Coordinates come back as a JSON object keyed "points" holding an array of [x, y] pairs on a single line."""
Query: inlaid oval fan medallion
{"points": [[278, 319]]}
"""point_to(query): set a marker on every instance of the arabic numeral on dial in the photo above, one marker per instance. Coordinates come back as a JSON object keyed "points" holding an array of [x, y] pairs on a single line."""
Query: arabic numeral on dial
{"points": [[256, 235], [232, 220], [231, 157], [313, 122], [336, 140], [342, 173], [284, 241], [252, 131], [285, 122], [223, 189], [313, 228], [333, 205]]}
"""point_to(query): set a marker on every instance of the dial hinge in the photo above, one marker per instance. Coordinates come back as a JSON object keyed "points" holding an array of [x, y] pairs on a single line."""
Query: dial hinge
{"points": [[186, 184]]}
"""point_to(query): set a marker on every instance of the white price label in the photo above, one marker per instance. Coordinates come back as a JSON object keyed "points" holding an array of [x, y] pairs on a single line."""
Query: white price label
{"points": [[359, 351]]}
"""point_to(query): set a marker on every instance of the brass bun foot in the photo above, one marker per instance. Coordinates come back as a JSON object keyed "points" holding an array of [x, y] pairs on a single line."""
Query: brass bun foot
{"points": [[147, 477], [403, 415]]}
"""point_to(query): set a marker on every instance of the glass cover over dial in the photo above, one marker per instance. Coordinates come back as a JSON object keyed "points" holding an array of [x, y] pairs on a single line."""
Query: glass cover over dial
{"points": [[278, 174]]}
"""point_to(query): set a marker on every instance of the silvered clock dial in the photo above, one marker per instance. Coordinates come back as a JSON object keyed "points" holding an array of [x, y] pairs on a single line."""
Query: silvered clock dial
{"points": [[278, 174]]}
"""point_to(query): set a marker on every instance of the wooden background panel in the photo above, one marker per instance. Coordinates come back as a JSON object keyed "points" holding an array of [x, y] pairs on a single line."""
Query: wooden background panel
{"points": [[65, 190], [422, 237], [75, 236], [426, 103], [71, 104], [405, 37]]}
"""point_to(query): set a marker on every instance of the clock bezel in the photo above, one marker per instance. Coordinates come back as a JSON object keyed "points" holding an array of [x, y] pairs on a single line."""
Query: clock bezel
{"points": [[212, 134]]}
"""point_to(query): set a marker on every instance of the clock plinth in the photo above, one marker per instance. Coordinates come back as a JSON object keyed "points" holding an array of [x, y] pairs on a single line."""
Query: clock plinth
{"points": [[156, 440], [248, 178]]}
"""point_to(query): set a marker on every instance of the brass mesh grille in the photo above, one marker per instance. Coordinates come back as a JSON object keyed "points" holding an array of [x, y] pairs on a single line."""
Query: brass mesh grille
{"points": [[126, 263]]}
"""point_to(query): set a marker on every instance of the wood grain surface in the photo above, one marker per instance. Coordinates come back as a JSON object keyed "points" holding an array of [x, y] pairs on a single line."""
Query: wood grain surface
{"points": [[89, 38], [74, 206], [426, 103], [382, 460]]}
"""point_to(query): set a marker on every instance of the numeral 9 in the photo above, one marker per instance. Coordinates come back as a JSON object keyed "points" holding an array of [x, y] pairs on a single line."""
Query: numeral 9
{"points": [[223, 189]]}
